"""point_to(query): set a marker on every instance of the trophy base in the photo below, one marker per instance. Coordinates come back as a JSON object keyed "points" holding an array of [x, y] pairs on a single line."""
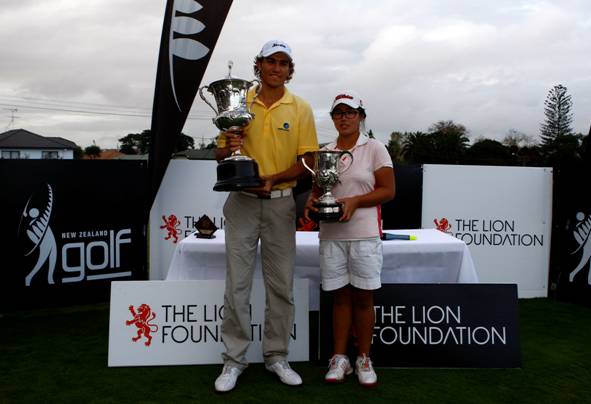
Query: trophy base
{"points": [[327, 213], [208, 236], [237, 173]]}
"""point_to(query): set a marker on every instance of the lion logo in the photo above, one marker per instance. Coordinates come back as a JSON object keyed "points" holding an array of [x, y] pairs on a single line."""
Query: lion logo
{"points": [[442, 225], [142, 320], [171, 224]]}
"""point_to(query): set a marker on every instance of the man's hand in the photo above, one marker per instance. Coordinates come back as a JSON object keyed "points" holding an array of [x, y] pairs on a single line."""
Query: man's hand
{"points": [[234, 139], [312, 200], [265, 189]]}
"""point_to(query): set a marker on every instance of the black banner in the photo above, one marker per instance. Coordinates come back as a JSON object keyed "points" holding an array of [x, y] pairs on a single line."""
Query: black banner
{"points": [[69, 228], [570, 260], [189, 34], [404, 211], [438, 325]]}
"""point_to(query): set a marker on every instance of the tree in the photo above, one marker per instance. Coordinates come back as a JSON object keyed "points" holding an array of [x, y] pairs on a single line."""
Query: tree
{"points": [[558, 116], [515, 139], [394, 147], [370, 134], [450, 141], [78, 153], [490, 152], [136, 143], [92, 151], [418, 147], [211, 145], [139, 143]]}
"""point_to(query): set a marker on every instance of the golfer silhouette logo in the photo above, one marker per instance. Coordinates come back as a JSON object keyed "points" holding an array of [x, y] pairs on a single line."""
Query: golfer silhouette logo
{"points": [[581, 235], [35, 233], [142, 320]]}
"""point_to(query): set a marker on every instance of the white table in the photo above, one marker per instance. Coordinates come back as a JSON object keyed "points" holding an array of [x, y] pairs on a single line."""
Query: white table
{"points": [[435, 257]]}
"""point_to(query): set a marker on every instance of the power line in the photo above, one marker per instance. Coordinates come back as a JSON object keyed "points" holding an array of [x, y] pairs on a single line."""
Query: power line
{"points": [[87, 112]]}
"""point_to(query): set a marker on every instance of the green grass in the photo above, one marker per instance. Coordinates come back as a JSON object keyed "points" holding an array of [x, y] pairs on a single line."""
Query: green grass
{"points": [[60, 355]]}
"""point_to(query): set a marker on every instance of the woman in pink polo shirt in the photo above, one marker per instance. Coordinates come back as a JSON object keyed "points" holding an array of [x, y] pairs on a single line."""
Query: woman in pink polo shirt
{"points": [[351, 249]]}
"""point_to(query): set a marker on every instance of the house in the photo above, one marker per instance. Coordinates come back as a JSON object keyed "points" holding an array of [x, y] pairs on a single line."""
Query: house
{"points": [[22, 144], [106, 154]]}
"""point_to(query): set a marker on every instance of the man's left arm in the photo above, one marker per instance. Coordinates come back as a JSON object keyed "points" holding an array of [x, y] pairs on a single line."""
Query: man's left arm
{"points": [[294, 172]]}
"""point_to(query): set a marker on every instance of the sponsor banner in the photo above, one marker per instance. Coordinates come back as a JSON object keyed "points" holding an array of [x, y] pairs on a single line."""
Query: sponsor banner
{"points": [[438, 325], [409, 193], [189, 33], [503, 214], [178, 323], [68, 230], [571, 242], [185, 195]]}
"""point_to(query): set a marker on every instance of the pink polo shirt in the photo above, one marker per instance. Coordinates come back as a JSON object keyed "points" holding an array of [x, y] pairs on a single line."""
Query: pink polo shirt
{"points": [[369, 155]]}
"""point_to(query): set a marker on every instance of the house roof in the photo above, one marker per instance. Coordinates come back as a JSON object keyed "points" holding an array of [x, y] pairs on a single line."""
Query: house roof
{"points": [[107, 154], [23, 139]]}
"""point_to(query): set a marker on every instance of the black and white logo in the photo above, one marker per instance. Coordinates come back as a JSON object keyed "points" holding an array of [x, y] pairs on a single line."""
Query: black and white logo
{"points": [[184, 47], [581, 235], [35, 233]]}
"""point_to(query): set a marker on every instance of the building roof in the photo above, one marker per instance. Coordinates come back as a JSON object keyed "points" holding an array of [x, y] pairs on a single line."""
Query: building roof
{"points": [[23, 139], [196, 154], [107, 154]]}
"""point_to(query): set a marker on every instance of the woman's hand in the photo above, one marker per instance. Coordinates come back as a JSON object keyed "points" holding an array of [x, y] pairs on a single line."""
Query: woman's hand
{"points": [[349, 206]]}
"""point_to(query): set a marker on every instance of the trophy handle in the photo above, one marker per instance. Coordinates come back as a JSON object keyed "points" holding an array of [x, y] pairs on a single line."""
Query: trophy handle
{"points": [[308, 168], [258, 91], [205, 99], [350, 155]]}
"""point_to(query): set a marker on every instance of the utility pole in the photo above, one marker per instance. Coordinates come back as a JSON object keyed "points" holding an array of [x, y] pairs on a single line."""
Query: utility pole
{"points": [[12, 116]]}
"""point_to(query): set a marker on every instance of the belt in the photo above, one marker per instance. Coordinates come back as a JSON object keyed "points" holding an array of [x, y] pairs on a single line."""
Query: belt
{"points": [[277, 193]]}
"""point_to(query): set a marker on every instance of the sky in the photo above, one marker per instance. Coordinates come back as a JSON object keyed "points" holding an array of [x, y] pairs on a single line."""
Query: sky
{"points": [[85, 71]]}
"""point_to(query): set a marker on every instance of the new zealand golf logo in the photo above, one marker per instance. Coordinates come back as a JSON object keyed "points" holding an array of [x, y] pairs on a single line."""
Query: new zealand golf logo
{"points": [[142, 320], [35, 234], [581, 234]]}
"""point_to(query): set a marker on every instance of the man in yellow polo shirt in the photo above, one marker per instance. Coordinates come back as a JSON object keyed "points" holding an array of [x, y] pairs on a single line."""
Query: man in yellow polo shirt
{"points": [[281, 133]]}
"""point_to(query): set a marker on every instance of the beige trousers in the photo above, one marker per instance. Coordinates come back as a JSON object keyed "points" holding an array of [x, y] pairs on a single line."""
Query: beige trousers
{"points": [[272, 221]]}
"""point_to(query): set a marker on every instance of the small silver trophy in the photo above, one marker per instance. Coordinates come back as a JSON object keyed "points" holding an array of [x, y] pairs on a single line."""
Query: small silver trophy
{"points": [[328, 165], [236, 172]]}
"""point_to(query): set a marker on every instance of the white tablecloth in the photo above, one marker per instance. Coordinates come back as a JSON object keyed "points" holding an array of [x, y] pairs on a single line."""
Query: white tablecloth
{"points": [[434, 257]]}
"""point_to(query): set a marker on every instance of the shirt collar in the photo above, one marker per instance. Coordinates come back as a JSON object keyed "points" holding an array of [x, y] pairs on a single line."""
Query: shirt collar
{"points": [[361, 140], [287, 97]]}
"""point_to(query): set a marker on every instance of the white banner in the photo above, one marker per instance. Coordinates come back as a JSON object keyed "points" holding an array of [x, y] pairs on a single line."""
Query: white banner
{"points": [[503, 214], [178, 323], [186, 194]]}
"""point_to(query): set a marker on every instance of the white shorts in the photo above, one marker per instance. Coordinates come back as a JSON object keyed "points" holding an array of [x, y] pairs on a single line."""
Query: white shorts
{"points": [[355, 262]]}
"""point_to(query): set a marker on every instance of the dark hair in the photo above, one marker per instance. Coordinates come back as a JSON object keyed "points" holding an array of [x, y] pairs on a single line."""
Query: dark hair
{"points": [[257, 72]]}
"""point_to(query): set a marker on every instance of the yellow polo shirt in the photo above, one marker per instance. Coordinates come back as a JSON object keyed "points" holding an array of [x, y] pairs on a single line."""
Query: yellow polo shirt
{"points": [[278, 134]]}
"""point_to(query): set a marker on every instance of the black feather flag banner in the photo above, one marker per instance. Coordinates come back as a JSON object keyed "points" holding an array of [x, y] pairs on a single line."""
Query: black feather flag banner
{"points": [[189, 34]]}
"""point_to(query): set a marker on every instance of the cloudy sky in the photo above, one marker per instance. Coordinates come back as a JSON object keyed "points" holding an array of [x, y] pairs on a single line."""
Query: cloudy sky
{"points": [[85, 71]]}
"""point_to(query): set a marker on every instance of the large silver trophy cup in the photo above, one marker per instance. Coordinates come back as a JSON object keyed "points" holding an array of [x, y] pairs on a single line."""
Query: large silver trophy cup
{"points": [[328, 165], [236, 172]]}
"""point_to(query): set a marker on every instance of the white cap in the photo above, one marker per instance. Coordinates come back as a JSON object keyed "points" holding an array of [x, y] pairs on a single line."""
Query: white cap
{"points": [[349, 98], [274, 46]]}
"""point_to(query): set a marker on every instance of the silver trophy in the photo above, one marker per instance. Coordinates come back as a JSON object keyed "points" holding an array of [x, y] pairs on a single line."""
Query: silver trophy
{"points": [[236, 172], [328, 165]]}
